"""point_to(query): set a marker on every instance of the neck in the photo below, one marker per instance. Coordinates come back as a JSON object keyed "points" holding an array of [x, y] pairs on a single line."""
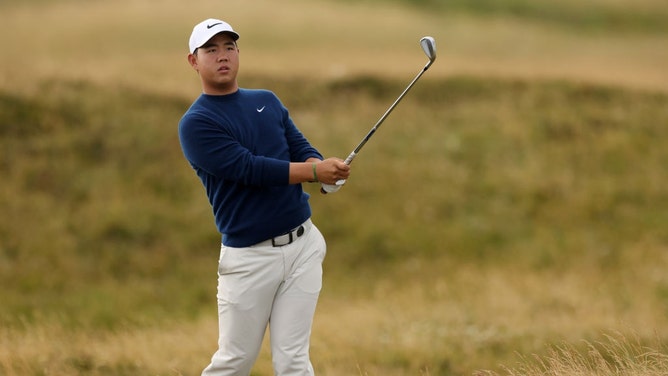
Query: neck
{"points": [[221, 89]]}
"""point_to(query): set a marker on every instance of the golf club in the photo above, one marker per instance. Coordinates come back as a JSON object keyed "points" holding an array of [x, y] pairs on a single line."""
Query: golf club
{"points": [[428, 45]]}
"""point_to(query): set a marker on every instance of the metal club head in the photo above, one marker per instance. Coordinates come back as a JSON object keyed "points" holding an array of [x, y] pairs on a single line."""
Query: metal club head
{"points": [[429, 47]]}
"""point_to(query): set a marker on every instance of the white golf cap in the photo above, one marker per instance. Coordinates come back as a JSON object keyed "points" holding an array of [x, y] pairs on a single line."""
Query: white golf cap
{"points": [[206, 29]]}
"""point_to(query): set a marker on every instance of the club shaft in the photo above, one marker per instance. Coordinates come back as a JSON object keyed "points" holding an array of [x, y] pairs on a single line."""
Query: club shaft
{"points": [[366, 138]]}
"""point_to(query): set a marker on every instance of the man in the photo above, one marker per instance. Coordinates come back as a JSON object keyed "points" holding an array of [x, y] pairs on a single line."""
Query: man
{"points": [[252, 159]]}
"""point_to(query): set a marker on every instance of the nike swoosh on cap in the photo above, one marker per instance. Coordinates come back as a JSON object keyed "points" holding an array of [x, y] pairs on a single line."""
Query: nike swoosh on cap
{"points": [[210, 26]]}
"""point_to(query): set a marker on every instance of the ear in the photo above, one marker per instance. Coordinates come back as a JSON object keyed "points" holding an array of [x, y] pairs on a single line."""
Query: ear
{"points": [[192, 60]]}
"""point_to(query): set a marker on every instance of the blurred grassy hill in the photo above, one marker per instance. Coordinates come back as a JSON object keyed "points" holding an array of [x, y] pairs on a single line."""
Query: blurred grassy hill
{"points": [[106, 228], [523, 176]]}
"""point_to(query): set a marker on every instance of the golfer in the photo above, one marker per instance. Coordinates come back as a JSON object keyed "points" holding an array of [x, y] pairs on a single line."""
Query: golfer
{"points": [[252, 159]]}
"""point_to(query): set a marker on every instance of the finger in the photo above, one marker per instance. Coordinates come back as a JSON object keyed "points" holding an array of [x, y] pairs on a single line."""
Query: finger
{"points": [[343, 167]]}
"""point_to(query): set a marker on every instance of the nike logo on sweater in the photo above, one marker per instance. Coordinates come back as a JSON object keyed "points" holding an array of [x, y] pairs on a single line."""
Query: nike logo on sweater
{"points": [[260, 109]]}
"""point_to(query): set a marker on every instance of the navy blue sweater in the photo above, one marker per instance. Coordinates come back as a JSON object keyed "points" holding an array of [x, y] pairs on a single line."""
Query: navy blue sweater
{"points": [[240, 146]]}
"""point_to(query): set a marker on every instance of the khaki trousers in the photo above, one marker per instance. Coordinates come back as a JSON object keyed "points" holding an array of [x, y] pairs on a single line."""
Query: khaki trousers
{"points": [[265, 285]]}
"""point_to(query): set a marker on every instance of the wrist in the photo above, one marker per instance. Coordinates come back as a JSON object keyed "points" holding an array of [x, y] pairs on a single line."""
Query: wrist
{"points": [[315, 173]]}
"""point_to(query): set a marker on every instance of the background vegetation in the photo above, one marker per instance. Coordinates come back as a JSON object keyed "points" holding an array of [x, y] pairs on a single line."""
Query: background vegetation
{"points": [[509, 218]]}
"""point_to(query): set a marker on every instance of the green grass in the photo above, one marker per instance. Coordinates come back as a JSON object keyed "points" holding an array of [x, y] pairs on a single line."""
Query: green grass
{"points": [[98, 199], [494, 167], [85, 194]]}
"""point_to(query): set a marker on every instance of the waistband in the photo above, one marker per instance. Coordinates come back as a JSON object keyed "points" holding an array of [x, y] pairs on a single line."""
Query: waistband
{"points": [[287, 238]]}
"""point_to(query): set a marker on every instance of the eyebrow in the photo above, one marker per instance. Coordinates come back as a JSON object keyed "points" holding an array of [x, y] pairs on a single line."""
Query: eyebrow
{"points": [[209, 44]]}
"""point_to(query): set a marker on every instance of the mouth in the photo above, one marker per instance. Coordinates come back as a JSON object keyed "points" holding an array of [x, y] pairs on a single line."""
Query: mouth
{"points": [[224, 69]]}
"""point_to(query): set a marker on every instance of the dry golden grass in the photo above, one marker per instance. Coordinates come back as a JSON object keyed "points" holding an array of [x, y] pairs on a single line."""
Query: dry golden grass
{"points": [[617, 354], [53, 350], [142, 44], [449, 322]]}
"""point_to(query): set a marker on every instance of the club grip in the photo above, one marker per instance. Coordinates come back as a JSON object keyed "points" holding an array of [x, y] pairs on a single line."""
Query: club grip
{"points": [[350, 158]]}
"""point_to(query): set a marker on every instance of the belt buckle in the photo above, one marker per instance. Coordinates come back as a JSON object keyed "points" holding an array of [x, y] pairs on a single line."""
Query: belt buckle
{"points": [[298, 232], [273, 240]]}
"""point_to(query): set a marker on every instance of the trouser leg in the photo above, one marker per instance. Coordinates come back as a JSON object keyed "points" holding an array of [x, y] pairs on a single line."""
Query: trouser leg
{"points": [[294, 306], [247, 282]]}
